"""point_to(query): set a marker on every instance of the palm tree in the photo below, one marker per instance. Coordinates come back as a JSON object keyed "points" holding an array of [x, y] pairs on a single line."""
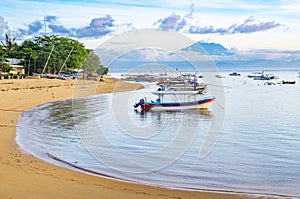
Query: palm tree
{"points": [[10, 45]]}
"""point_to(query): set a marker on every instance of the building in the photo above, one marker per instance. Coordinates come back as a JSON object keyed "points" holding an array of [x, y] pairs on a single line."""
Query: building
{"points": [[17, 69]]}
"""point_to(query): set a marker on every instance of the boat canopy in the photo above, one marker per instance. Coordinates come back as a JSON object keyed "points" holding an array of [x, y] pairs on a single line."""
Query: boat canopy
{"points": [[160, 93]]}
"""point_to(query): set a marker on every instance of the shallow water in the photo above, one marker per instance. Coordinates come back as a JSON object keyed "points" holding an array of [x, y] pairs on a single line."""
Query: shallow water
{"points": [[258, 150]]}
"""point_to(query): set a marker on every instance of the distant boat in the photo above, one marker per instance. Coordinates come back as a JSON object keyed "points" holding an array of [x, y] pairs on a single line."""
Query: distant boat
{"points": [[255, 74], [51, 76], [219, 76], [269, 83], [288, 82], [235, 74], [181, 84], [196, 87], [264, 76]]}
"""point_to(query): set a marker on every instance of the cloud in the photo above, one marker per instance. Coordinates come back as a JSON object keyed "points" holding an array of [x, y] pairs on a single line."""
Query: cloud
{"points": [[248, 26], [58, 29], [51, 19], [32, 28], [172, 22], [97, 28], [3, 27], [192, 10]]}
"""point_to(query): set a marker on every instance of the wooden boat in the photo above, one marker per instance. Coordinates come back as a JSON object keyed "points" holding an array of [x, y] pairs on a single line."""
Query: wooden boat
{"points": [[178, 84], [234, 74], [255, 74], [184, 100], [288, 82], [200, 88], [266, 77], [219, 76]]}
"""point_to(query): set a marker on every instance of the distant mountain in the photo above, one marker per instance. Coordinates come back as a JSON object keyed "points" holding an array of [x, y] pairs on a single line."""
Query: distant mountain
{"points": [[210, 48], [227, 59], [223, 58]]}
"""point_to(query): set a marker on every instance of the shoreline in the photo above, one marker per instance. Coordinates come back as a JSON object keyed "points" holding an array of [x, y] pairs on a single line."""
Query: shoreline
{"points": [[25, 176]]}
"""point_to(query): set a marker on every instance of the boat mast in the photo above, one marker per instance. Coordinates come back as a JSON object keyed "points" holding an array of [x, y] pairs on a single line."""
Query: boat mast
{"points": [[45, 26], [48, 59], [65, 60]]}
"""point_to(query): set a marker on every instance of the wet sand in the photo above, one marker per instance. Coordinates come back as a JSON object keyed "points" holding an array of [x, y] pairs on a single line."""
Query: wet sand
{"points": [[24, 176]]}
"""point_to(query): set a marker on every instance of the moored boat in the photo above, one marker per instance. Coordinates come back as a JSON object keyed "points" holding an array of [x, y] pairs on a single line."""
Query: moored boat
{"points": [[255, 74], [219, 76], [234, 74], [184, 100], [199, 104], [266, 77], [288, 82]]}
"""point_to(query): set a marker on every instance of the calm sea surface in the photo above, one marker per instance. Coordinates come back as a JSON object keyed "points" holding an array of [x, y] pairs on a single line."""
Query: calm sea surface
{"points": [[258, 150]]}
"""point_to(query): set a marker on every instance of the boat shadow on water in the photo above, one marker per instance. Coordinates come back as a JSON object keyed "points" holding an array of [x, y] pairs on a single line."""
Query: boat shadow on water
{"points": [[201, 113]]}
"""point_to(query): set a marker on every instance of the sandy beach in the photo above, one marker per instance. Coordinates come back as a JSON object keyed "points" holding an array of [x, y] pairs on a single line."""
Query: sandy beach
{"points": [[24, 176]]}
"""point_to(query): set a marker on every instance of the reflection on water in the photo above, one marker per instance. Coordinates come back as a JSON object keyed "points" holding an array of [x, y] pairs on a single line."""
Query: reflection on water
{"points": [[158, 116], [258, 150]]}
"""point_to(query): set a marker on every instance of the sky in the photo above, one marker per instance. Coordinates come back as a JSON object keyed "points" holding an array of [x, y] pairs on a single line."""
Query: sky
{"points": [[243, 25]]}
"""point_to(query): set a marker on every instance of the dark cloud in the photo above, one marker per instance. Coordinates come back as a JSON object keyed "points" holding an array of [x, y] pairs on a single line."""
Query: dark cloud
{"points": [[58, 29], [97, 28], [32, 28], [51, 19], [55, 27], [172, 22], [249, 26]]}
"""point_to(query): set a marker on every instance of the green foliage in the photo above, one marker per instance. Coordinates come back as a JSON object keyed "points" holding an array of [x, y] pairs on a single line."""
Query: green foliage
{"points": [[93, 65], [10, 46], [102, 70], [67, 53], [5, 67]]}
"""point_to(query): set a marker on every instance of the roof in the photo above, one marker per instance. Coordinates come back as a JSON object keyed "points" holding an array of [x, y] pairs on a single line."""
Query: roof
{"points": [[17, 66], [13, 61]]}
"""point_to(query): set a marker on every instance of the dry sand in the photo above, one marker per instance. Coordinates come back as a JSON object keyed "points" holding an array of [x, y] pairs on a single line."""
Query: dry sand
{"points": [[24, 176]]}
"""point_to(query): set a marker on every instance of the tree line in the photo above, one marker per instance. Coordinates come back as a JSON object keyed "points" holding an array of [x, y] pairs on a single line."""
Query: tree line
{"points": [[50, 54]]}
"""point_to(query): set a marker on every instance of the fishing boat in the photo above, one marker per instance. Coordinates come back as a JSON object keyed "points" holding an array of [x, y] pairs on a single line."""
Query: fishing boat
{"points": [[182, 84], [288, 82], [219, 76], [266, 77], [234, 74], [262, 76], [255, 74], [175, 100]]}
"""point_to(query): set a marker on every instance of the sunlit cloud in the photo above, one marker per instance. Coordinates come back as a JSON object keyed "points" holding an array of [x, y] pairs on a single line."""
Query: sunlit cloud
{"points": [[97, 28], [172, 22], [248, 26], [3, 27]]}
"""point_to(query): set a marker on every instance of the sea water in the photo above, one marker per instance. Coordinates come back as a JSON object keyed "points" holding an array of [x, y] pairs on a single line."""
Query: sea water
{"points": [[257, 150]]}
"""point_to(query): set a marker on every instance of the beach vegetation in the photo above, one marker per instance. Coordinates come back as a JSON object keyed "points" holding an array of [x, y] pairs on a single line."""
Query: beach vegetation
{"points": [[10, 46], [92, 65], [51, 54], [5, 67], [46, 54]]}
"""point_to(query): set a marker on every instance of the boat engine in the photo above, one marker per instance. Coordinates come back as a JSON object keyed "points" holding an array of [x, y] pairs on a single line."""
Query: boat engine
{"points": [[142, 101]]}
